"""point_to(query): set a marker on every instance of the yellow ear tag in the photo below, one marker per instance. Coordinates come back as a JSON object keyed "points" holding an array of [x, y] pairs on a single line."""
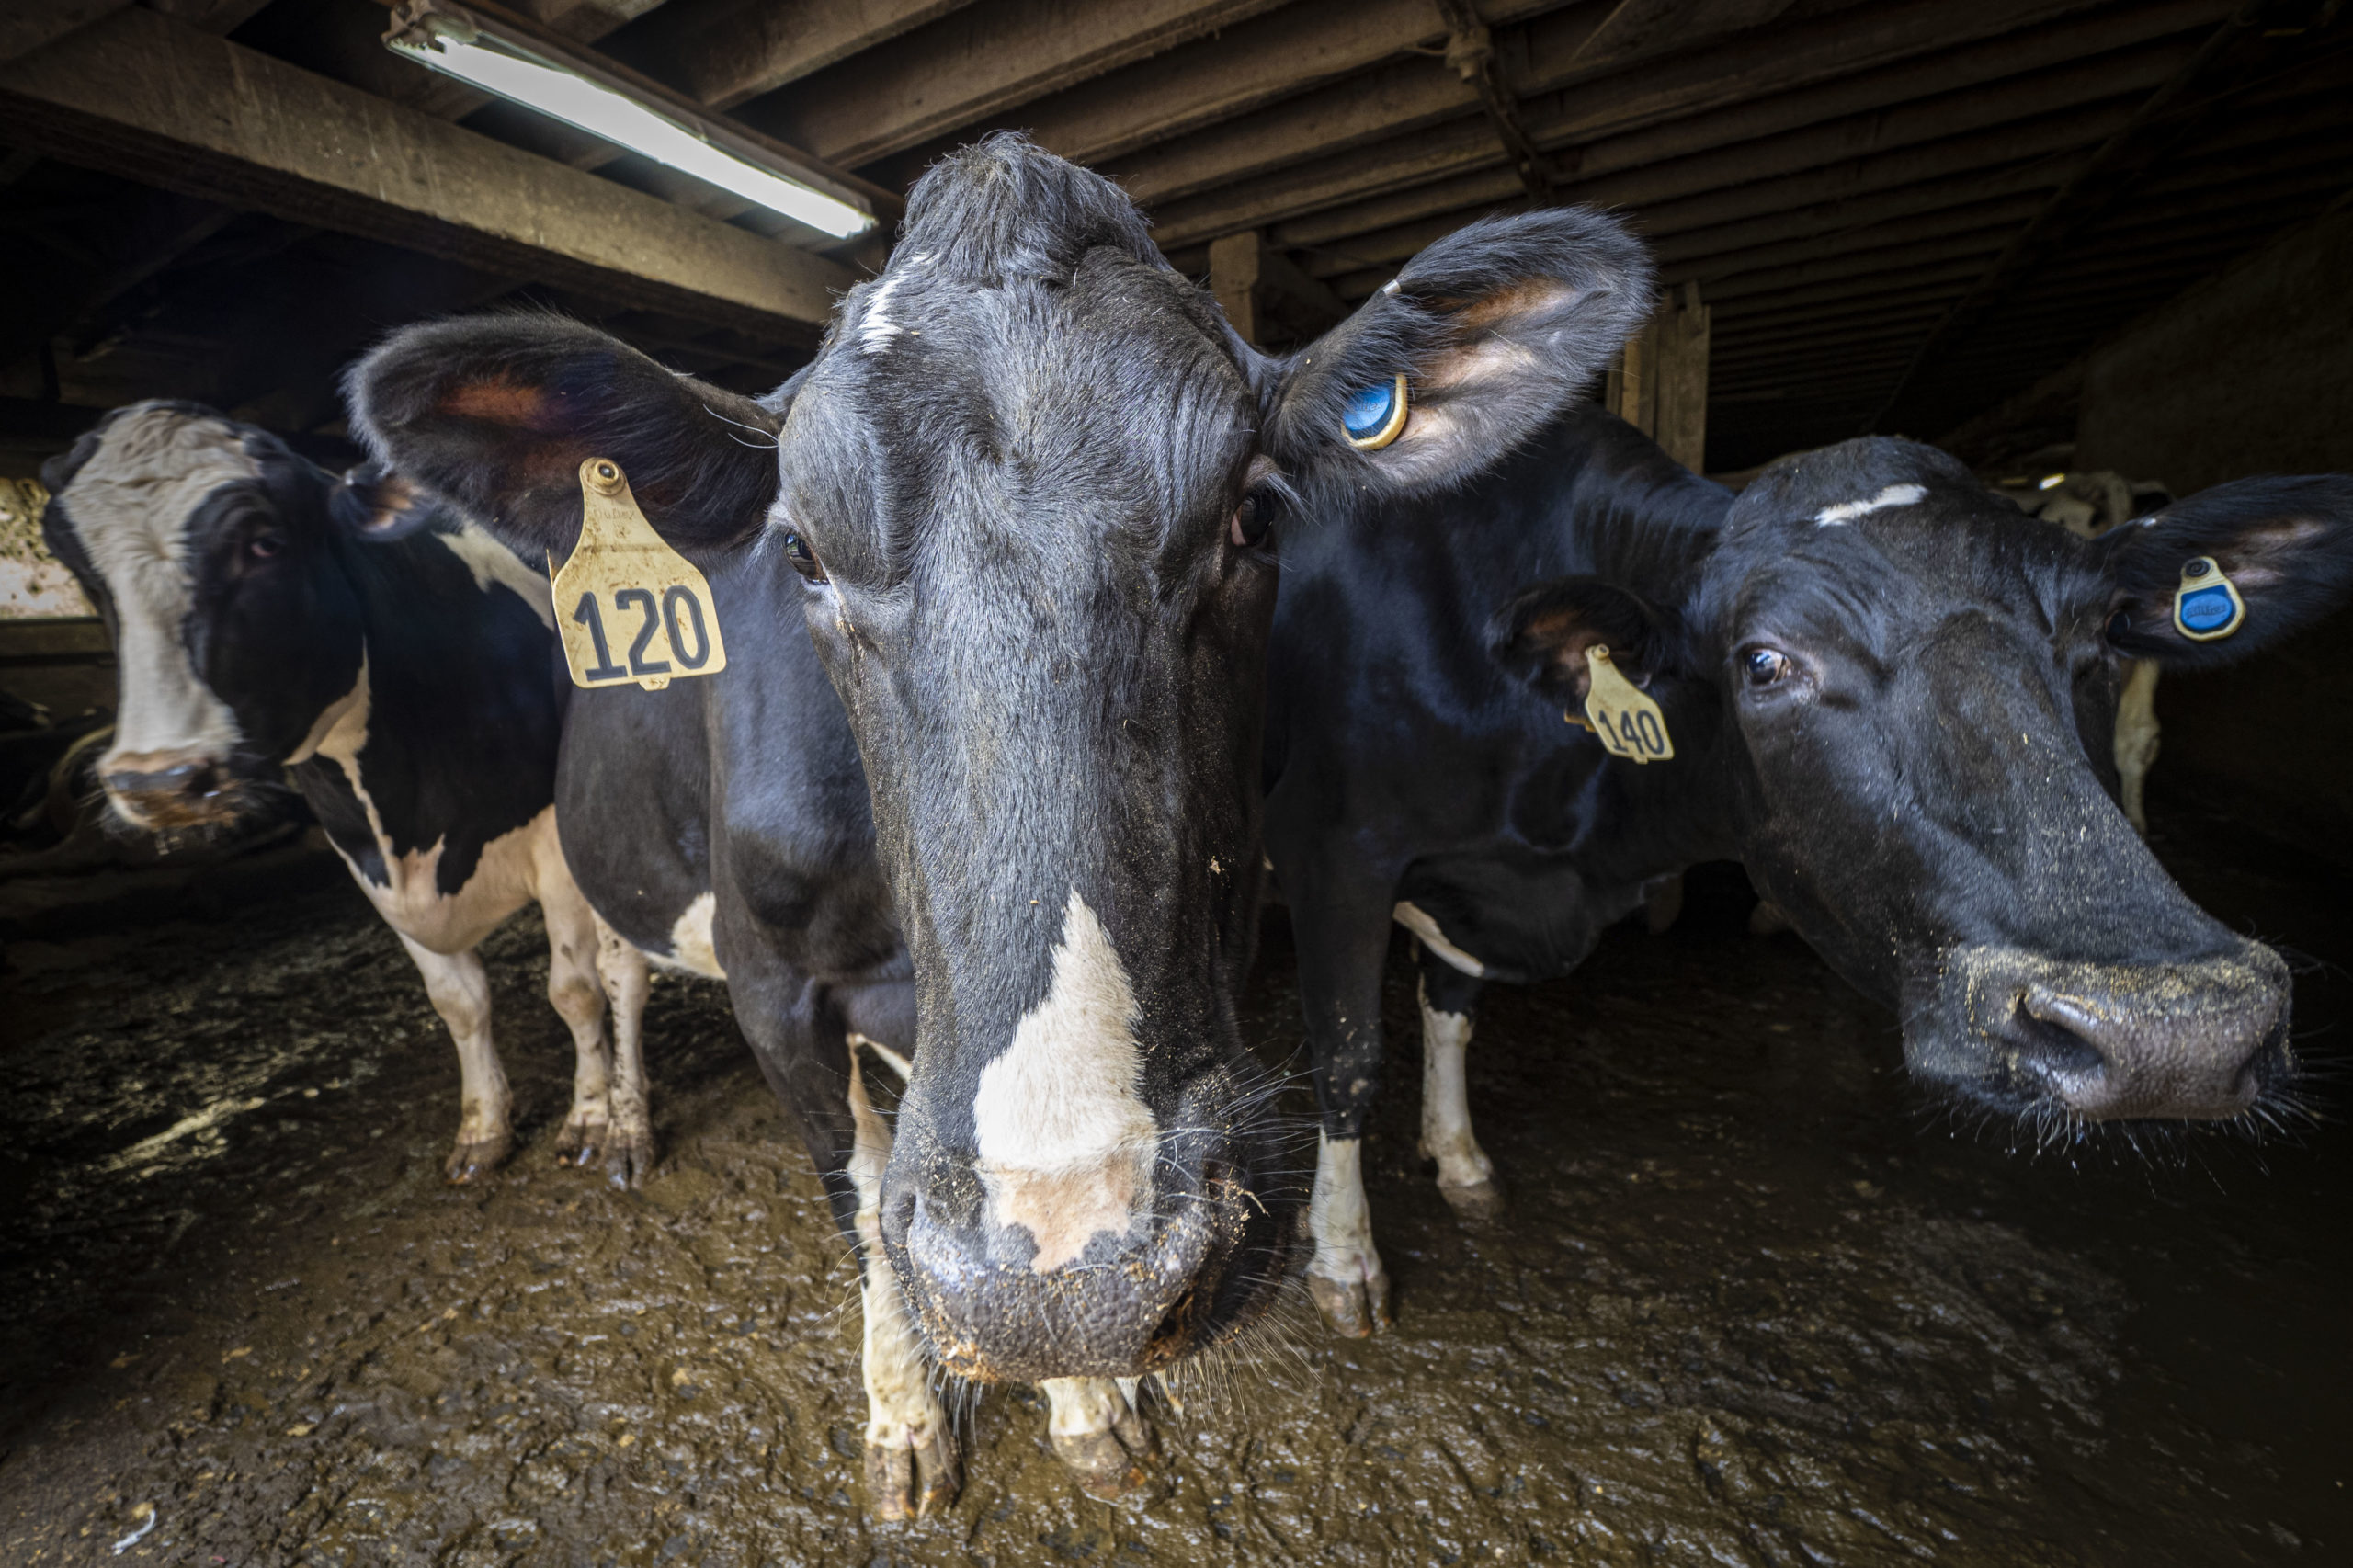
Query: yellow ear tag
{"points": [[1628, 721], [628, 607], [2207, 606]]}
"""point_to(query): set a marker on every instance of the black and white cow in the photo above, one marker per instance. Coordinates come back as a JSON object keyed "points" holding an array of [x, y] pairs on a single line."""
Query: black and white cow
{"points": [[1021, 516], [1888, 692], [409, 690]]}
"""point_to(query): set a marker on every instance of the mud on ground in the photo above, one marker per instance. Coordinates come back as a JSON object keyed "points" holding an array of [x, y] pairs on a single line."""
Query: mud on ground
{"points": [[1751, 1303]]}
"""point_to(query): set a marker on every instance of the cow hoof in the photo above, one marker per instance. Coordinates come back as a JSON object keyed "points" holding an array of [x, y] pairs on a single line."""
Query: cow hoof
{"points": [[1354, 1309], [1110, 1465], [1476, 1204], [629, 1159], [580, 1143], [908, 1483], [470, 1162]]}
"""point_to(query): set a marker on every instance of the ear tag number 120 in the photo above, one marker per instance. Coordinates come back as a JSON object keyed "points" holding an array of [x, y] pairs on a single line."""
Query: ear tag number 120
{"points": [[1628, 722], [631, 608]]}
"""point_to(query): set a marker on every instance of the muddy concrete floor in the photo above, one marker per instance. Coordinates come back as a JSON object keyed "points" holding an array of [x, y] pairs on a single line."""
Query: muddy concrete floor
{"points": [[1752, 1302]]}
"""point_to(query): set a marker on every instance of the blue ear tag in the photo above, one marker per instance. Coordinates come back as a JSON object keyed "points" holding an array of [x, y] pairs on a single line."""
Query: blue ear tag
{"points": [[1375, 416], [2207, 606]]}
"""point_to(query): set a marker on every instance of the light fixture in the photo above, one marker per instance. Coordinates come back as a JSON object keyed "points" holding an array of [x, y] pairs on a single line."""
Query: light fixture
{"points": [[2050, 482], [508, 61]]}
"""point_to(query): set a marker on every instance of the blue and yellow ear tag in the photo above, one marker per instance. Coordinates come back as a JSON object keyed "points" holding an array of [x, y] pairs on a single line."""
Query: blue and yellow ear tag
{"points": [[1376, 416], [1624, 719], [2207, 606]]}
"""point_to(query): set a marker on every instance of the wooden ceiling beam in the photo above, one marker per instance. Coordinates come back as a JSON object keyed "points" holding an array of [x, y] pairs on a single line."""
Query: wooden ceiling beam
{"points": [[151, 100], [727, 52], [971, 66]]}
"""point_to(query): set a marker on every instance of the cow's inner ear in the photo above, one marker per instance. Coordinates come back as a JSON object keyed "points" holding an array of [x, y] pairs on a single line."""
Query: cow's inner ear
{"points": [[1495, 329], [2285, 545], [1543, 635]]}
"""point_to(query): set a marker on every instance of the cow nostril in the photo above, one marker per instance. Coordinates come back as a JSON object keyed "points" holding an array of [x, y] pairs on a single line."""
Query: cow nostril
{"points": [[2055, 1035]]}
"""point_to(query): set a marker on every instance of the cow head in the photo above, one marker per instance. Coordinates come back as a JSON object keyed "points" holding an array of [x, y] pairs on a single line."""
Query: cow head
{"points": [[206, 545], [1919, 685], [1033, 489]]}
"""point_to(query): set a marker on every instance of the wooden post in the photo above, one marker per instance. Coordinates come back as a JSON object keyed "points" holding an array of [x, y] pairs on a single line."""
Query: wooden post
{"points": [[1236, 262], [1631, 390], [1679, 380]]}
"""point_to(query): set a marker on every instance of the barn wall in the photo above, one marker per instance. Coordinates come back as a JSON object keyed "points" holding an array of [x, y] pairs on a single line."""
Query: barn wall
{"points": [[2247, 374]]}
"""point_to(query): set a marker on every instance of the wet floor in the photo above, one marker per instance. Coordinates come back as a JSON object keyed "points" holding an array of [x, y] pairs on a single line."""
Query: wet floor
{"points": [[1752, 1302]]}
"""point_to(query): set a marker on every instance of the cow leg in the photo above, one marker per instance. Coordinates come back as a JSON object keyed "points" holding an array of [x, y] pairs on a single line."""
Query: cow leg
{"points": [[629, 1126], [1098, 1431], [460, 993], [1343, 939], [577, 992], [911, 1465], [2136, 740], [1466, 1178]]}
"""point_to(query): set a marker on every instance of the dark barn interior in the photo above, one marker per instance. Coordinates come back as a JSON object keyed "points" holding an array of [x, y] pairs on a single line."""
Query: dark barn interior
{"points": [[1751, 1301]]}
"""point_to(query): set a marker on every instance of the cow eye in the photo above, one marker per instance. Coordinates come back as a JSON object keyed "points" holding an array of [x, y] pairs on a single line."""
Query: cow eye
{"points": [[805, 559], [1254, 518], [266, 546], [1764, 666], [2119, 626]]}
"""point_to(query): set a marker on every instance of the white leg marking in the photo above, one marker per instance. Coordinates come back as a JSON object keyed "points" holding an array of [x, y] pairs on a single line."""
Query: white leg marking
{"points": [[1097, 1432], [901, 1417], [1338, 1217], [2136, 740], [1446, 1101], [884, 1054], [460, 993], [629, 1121], [1066, 1142], [1417, 920], [575, 990]]}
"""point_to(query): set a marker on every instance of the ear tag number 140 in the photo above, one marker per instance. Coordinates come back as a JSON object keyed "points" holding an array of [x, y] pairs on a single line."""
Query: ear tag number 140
{"points": [[630, 610], [1617, 710]]}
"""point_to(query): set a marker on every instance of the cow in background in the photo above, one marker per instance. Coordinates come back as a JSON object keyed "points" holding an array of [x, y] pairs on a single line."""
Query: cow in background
{"points": [[408, 688], [1010, 566], [1889, 694]]}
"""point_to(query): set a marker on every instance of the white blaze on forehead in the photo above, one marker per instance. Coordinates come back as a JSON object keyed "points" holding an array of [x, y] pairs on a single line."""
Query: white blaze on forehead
{"points": [[491, 562], [1848, 511], [130, 506], [1065, 1140]]}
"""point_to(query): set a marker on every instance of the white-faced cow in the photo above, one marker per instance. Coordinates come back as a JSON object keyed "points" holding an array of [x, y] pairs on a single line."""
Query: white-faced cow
{"points": [[410, 690], [1888, 692], [1021, 515]]}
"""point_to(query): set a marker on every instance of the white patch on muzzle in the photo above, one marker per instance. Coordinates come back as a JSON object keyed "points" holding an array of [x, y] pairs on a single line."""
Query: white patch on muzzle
{"points": [[130, 505], [1848, 511], [1066, 1142]]}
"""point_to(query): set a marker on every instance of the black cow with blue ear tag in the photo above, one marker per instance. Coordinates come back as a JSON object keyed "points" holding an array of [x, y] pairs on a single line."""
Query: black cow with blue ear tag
{"points": [[1887, 690], [1013, 548], [408, 689]]}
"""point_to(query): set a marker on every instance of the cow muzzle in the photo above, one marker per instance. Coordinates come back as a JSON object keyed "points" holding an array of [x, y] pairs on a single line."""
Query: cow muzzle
{"points": [[2193, 1040], [1110, 1272], [165, 790]]}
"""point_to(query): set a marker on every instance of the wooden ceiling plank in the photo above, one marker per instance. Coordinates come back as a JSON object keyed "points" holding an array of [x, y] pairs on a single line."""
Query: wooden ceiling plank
{"points": [[152, 99], [974, 66], [1778, 60], [726, 55], [2058, 63], [1640, 26], [1647, 186]]}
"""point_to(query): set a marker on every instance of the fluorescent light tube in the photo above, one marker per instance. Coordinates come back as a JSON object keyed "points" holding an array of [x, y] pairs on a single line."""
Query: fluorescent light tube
{"points": [[624, 122]]}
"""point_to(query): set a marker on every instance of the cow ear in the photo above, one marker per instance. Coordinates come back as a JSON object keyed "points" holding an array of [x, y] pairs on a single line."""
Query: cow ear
{"points": [[498, 412], [374, 503], [1542, 634], [2282, 545], [1483, 339]]}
